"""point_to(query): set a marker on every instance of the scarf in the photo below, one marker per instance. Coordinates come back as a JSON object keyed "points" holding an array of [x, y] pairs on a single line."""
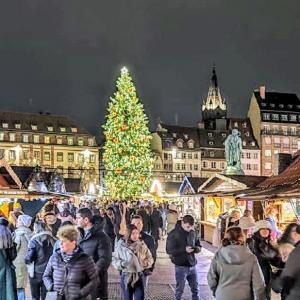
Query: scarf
{"points": [[68, 256]]}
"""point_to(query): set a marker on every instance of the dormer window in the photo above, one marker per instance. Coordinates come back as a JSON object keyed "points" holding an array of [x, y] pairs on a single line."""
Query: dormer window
{"points": [[298, 106], [5, 125], [180, 144], [247, 133], [34, 127], [281, 106], [253, 143], [275, 117], [209, 134], [284, 117], [244, 143], [272, 105], [266, 117], [50, 128], [18, 126], [174, 135], [186, 136], [62, 129], [224, 135], [290, 105], [211, 143], [211, 153], [74, 129], [293, 118], [191, 144]]}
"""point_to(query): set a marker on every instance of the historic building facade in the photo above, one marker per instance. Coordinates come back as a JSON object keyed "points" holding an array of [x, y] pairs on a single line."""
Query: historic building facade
{"points": [[199, 151], [50, 141], [275, 119]]}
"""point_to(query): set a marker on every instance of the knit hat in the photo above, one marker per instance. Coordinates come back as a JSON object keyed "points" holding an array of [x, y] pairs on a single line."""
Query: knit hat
{"points": [[246, 223], [25, 220], [262, 224], [172, 207]]}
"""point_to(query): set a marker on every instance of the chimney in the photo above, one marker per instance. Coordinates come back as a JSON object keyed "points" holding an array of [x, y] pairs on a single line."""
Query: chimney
{"points": [[262, 92]]}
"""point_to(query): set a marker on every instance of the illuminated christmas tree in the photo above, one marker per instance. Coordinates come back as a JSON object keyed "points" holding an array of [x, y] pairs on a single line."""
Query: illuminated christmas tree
{"points": [[127, 154]]}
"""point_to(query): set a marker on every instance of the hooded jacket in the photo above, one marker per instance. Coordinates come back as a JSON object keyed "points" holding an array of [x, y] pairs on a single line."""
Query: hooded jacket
{"points": [[235, 274], [177, 241]]}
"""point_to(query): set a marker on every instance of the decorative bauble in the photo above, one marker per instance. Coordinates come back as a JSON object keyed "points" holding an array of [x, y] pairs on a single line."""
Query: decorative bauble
{"points": [[118, 171], [116, 141]]}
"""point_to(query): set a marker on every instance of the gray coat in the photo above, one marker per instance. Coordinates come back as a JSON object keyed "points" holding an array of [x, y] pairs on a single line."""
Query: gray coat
{"points": [[235, 274]]}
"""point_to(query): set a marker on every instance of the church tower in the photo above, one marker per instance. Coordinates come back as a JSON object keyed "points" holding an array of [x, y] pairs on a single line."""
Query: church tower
{"points": [[214, 107]]}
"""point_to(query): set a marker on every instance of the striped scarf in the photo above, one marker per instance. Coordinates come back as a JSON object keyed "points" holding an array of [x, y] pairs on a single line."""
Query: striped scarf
{"points": [[68, 256]]}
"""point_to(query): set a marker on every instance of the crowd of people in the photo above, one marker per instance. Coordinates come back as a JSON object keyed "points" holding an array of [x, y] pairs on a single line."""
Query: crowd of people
{"points": [[64, 252], [255, 258]]}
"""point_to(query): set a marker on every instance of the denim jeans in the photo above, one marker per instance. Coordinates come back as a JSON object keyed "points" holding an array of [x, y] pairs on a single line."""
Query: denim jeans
{"points": [[129, 293], [21, 294], [190, 274]]}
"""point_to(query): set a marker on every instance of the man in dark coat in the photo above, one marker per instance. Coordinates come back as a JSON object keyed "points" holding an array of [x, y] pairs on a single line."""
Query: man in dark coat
{"points": [[182, 244], [137, 221], [94, 242], [146, 218], [291, 273], [156, 222]]}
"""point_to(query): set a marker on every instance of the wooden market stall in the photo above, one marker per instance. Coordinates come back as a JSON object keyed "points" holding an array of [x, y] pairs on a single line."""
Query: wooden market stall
{"points": [[219, 194]]}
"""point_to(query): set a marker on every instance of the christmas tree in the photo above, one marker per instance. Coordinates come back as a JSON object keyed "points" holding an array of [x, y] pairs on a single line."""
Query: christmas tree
{"points": [[127, 154]]}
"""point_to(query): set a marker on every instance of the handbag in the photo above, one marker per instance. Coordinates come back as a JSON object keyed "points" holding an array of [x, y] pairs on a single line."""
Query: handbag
{"points": [[275, 282], [51, 296]]}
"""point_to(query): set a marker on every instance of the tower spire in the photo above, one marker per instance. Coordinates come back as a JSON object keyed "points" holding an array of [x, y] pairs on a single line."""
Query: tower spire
{"points": [[214, 105]]}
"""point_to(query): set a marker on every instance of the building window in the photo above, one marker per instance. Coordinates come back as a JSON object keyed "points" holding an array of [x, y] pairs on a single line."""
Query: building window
{"points": [[286, 143], [222, 165], [213, 165], [284, 117], [59, 156], [275, 117], [183, 166], [253, 144], [36, 138], [12, 137], [47, 139], [244, 143], [91, 142], [191, 144], [211, 153], [204, 164], [80, 142], [70, 157], [50, 128], [25, 154], [195, 167], [268, 140], [168, 144], [165, 156], [183, 156], [195, 155], [5, 125], [255, 155], [36, 154], [293, 130], [294, 144], [268, 166], [284, 130], [59, 140], [209, 134], [12, 154], [25, 138], [62, 129], [191, 167], [165, 166], [34, 127], [190, 156], [47, 156], [2, 153], [275, 129], [248, 166], [92, 158], [18, 126], [74, 129], [281, 106], [268, 153], [293, 118], [255, 167], [174, 135], [179, 144], [266, 117], [1, 136], [177, 166], [248, 155], [70, 141], [243, 155]]}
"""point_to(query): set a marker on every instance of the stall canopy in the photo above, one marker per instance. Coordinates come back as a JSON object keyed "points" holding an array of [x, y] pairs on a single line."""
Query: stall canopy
{"points": [[190, 185]]}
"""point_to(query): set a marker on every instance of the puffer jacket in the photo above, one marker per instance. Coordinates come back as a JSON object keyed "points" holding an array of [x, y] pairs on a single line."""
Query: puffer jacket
{"points": [[97, 244], [22, 238], [123, 256], [177, 241], [80, 272], [40, 249], [235, 274]]}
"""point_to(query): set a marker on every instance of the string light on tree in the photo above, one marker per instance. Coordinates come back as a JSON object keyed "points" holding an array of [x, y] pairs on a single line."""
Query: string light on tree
{"points": [[127, 154]]}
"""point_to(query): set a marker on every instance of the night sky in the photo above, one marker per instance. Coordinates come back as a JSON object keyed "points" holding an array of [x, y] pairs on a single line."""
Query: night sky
{"points": [[63, 57]]}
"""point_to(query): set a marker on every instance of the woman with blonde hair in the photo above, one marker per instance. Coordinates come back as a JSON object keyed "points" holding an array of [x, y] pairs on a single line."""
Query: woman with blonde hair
{"points": [[234, 271]]}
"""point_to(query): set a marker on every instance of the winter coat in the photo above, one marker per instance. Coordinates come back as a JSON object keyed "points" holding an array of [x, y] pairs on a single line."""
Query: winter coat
{"points": [[146, 219], [132, 258], [291, 275], [266, 255], [235, 274], [22, 238], [8, 285], [156, 223], [53, 223], [172, 217], [40, 249], [81, 275], [150, 243], [177, 241], [97, 244]]}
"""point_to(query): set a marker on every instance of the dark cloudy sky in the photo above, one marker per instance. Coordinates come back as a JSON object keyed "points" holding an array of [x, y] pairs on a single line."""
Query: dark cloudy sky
{"points": [[64, 56]]}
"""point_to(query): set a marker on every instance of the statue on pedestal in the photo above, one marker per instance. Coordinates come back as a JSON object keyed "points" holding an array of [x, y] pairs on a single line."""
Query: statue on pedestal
{"points": [[233, 153]]}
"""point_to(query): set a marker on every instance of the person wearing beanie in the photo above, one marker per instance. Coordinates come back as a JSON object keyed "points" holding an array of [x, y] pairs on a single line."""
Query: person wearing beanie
{"points": [[22, 238], [8, 288], [267, 255], [52, 222]]}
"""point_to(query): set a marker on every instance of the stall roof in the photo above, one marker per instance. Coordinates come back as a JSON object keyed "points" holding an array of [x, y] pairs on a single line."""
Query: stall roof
{"points": [[72, 185]]}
